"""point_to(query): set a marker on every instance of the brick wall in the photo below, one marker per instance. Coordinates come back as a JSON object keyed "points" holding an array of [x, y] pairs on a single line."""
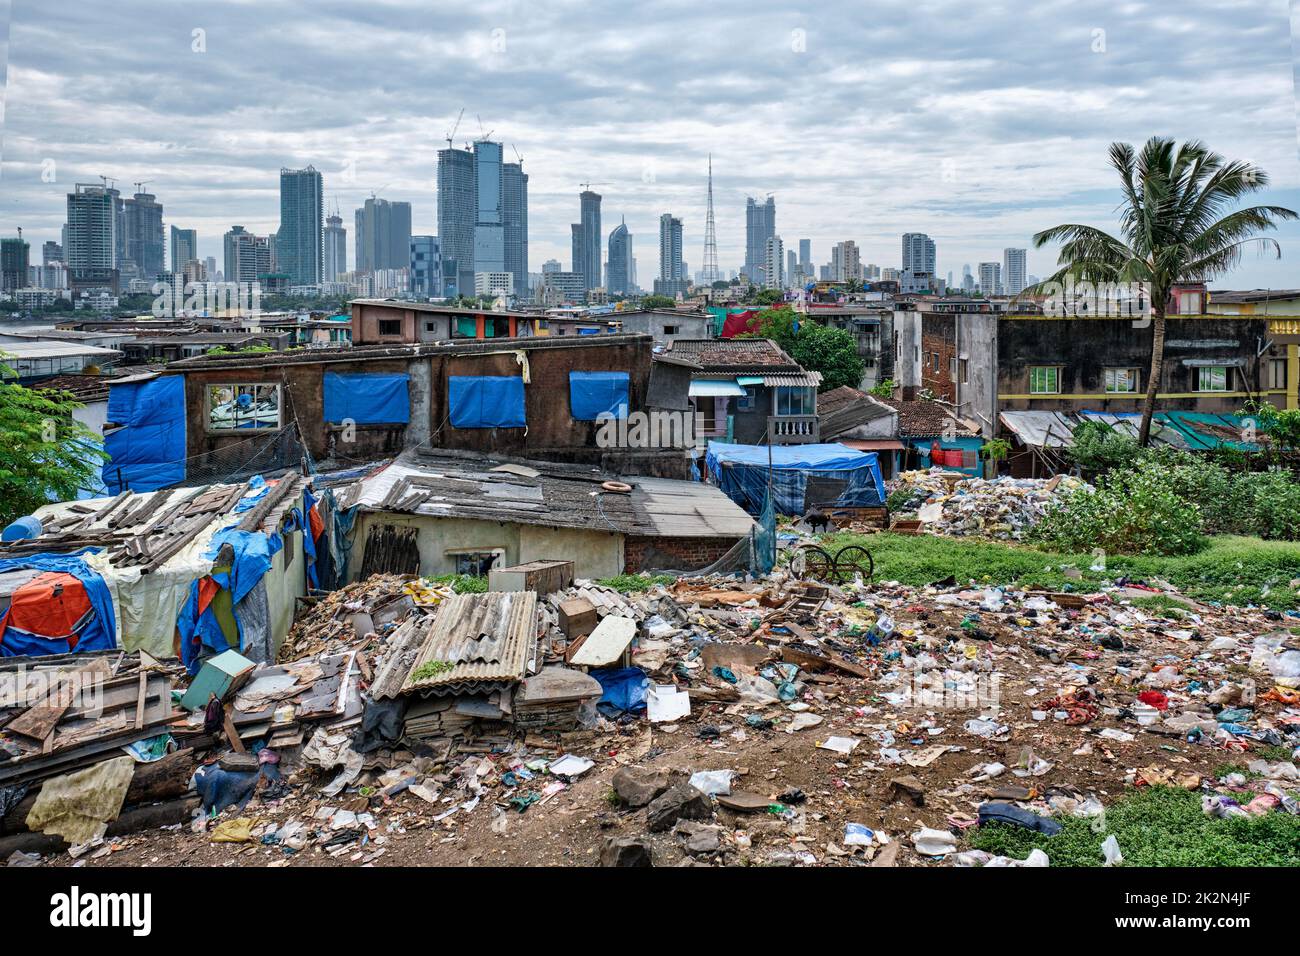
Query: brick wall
{"points": [[673, 554]]}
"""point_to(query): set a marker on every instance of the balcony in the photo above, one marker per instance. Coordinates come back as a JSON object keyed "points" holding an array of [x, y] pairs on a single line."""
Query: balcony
{"points": [[793, 429]]}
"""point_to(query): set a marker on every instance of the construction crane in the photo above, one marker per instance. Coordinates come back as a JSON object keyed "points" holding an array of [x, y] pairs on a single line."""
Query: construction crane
{"points": [[482, 135], [517, 156], [139, 187], [108, 183], [587, 186], [451, 135]]}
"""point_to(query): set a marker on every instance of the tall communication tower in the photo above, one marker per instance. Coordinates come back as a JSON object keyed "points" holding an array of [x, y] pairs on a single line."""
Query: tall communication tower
{"points": [[711, 273]]}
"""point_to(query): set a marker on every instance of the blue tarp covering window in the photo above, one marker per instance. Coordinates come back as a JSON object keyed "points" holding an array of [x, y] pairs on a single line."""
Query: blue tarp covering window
{"points": [[149, 452], [486, 401], [844, 478], [592, 394], [373, 399]]}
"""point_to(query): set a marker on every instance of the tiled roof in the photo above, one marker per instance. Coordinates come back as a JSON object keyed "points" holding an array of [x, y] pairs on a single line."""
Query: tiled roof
{"points": [[922, 419], [736, 354]]}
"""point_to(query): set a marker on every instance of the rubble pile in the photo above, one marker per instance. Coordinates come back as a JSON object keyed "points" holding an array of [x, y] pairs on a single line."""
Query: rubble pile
{"points": [[948, 503], [713, 721]]}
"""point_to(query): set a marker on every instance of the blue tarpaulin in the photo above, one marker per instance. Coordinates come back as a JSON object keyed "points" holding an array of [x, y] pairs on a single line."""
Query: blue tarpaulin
{"points": [[741, 471], [592, 394], [367, 399], [486, 401], [198, 623], [149, 452], [97, 634], [625, 690]]}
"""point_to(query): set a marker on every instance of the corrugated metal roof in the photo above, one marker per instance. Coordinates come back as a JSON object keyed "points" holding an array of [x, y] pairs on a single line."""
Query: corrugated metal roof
{"points": [[486, 638], [793, 381]]}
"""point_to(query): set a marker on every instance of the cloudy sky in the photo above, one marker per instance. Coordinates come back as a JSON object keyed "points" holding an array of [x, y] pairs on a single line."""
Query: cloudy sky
{"points": [[978, 123]]}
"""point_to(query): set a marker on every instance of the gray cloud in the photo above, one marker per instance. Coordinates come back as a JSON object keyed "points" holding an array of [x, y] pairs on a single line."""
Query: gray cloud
{"points": [[978, 124]]}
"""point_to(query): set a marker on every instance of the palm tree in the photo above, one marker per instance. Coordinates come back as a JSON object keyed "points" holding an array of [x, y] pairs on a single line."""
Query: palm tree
{"points": [[1177, 225]]}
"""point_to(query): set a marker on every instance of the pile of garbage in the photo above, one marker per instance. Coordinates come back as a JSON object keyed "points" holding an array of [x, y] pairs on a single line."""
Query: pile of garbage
{"points": [[948, 503], [715, 721]]}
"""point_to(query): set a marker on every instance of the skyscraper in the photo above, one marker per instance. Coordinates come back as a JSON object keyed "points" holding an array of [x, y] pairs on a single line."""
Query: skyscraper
{"points": [[990, 278], [489, 216], [1013, 270], [15, 259], [299, 243], [671, 267], [514, 212], [805, 257], [336, 247], [144, 234], [248, 257], [456, 218], [710, 273], [791, 265], [619, 277], [92, 230], [383, 235], [918, 253], [760, 226], [586, 239], [51, 251], [426, 267], [184, 247], [773, 263], [846, 261]]}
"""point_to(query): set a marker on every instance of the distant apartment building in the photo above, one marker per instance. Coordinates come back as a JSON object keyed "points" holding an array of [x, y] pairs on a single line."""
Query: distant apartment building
{"points": [[672, 270], [15, 258], [95, 236], [760, 226], [299, 243], [586, 235], [247, 257], [774, 263], [336, 247], [514, 216], [990, 281], [144, 235], [918, 253], [563, 288], [618, 267], [383, 235], [494, 284], [184, 247], [846, 262], [1013, 270], [426, 267], [457, 216]]}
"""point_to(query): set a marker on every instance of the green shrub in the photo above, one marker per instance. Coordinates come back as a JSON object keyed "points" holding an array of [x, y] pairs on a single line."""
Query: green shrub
{"points": [[1098, 448], [1131, 511], [1269, 504]]}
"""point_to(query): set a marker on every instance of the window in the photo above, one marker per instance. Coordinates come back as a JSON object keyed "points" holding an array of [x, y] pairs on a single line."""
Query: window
{"points": [[746, 403], [1212, 378], [243, 406], [672, 330], [952, 369], [795, 400], [934, 360], [1044, 379], [430, 327], [1277, 374], [963, 371], [474, 563], [1121, 381]]}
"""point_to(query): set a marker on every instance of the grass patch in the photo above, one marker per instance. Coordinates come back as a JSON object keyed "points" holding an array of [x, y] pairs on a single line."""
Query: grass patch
{"points": [[631, 583], [463, 583], [431, 669], [1232, 570], [1161, 604], [1157, 826]]}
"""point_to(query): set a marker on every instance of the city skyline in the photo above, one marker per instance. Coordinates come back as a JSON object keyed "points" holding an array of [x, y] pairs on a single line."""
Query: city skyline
{"points": [[987, 157]]}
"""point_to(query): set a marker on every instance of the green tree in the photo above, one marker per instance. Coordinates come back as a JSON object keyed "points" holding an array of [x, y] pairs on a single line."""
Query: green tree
{"points": [[1177, 224], [45, 455], [658, 302], [818, 348], [767, 297]]}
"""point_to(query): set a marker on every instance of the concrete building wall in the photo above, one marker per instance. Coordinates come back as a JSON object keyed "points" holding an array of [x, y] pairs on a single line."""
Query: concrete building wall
{"points": [[596, 554]]}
